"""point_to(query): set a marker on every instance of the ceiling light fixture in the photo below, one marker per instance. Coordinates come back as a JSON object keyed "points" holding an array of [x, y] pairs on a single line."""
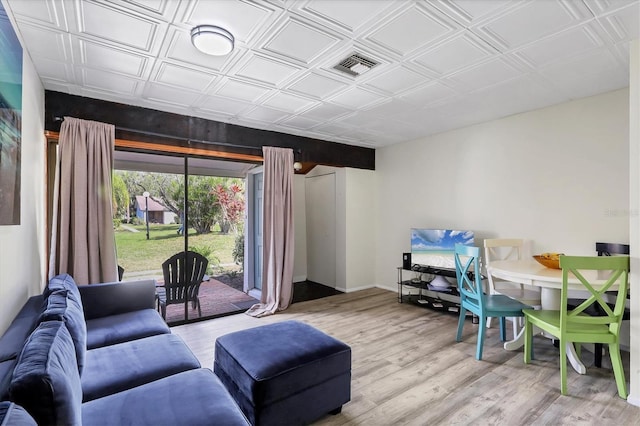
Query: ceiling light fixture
{"points": [[212, 40]]}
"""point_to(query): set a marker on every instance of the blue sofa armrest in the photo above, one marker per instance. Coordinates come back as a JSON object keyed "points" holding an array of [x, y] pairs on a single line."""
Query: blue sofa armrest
{"points": [[105, 299]]}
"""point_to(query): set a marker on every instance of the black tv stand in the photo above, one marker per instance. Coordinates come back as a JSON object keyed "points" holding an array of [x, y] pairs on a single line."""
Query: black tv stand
{"points": [[446, 299]]}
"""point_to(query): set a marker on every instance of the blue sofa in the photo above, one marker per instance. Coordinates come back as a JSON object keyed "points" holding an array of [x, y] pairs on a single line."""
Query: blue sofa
{"points": [[102, 355]]}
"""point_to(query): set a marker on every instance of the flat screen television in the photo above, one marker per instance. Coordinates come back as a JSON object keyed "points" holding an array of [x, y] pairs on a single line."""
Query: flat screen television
{"points": [[435, 247]]}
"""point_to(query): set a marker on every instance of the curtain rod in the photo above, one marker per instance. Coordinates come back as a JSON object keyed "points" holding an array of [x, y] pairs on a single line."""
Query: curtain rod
{"points": [[162, 135], [173, 149]]}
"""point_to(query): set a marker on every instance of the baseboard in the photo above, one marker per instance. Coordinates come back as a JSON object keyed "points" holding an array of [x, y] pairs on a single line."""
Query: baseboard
{"points": [[299, 278], [384, 287], [255, 293], [353, 289]]}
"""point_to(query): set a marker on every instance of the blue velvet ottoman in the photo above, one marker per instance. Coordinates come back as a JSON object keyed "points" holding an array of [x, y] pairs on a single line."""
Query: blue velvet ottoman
{"points": [[287, 373]]}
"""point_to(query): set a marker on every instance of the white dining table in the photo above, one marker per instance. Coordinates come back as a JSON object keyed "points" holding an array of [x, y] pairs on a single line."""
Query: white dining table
{"points": [[549, 280]]}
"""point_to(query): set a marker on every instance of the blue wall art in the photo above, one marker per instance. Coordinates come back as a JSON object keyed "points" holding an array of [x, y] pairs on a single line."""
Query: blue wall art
{"points": [[10, 121]]}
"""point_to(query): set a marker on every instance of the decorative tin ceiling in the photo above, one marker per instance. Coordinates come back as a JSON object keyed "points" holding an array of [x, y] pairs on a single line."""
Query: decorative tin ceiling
{"points": [[441, 64]]}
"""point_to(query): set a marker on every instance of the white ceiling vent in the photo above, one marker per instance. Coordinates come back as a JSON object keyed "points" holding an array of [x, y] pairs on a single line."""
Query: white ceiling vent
{"points": [[355, 65]]}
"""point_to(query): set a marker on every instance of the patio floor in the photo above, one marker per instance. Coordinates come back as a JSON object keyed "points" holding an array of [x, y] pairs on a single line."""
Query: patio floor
{"points": [[216, 299]]}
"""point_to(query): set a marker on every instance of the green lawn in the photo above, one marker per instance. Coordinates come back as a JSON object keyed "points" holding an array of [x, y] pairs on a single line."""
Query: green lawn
{"points": [[136, 253]]}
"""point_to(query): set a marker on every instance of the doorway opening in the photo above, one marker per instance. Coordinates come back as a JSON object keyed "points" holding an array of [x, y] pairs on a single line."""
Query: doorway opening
{"points": [[178, 204]]}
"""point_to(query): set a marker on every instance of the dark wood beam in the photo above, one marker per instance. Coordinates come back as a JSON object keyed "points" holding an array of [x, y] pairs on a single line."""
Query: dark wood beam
{"points": [[163, 128], [153, 148]]}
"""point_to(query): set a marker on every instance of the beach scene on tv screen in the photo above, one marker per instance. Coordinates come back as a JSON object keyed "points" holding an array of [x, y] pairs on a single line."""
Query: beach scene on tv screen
{"points": [[435, 247]]}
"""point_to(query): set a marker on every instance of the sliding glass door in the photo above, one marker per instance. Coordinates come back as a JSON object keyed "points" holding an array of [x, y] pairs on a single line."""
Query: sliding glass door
{"points": [[184, 204]]}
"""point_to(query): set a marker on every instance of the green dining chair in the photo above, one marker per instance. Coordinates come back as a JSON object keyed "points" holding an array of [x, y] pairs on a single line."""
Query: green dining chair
{"points": [[573, 325], [473, 299]]}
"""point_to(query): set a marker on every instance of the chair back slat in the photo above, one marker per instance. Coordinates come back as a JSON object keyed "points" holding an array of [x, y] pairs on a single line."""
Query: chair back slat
{"points": [[502, 249], [469, 283], [183, 274], [616, 270]]}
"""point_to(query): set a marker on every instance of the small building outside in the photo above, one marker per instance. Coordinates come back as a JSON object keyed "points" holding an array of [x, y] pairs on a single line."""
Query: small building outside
{"points": [[158, 213]]}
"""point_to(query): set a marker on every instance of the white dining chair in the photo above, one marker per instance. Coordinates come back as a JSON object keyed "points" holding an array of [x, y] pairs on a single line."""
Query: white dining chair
{"points": [[509, 249]]}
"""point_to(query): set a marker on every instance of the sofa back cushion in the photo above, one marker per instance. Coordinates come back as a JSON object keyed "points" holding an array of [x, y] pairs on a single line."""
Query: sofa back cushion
{"points": [[61, 305], [63, 282], [23, 324], [46, 380], [12, 341], [6, 373]]}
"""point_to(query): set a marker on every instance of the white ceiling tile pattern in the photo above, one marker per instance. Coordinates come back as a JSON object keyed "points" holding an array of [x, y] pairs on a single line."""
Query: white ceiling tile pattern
{"points": [[454, 54], [105, 23], [317, 86], [443, 64], [346, 14], [299, 42], [396, 80], [53, 70], [225, 106], [412, 28], [265, 114], [302, 123], [243, 91], [326, 112], [266, 70], [287, 102], [561, 46], [46, 13], [183, 77], [356, 97], [110, 59], [535, 20], [48, 43], [106, 81]]}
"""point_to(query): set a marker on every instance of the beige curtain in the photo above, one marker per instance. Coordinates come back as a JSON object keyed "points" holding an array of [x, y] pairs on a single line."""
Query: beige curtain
{"points": [[277, 233], [83, 240]]}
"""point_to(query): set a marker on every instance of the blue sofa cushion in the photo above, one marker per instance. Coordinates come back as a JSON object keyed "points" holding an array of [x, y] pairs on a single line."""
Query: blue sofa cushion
{"points": [[63, 282], [194, 397], [271, 362], [61, 305], [6, 373], [14, 415], [46, 381], [124, 327], [115, 368], [106, 299], [13, 339]]}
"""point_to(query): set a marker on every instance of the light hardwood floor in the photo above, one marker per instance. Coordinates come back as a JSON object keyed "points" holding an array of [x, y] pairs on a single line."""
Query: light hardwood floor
{"points": [[407, 368]]}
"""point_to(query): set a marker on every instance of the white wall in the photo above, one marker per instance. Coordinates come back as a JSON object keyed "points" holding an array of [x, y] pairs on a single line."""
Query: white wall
{"points": [[356, 212], [558, 176], [300, 230], [324, 231], [360, 216], [634, 220], [22, 247]]}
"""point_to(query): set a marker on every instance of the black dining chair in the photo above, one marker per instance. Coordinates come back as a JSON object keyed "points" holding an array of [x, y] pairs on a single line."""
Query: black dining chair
{"points": [[610, 249]]}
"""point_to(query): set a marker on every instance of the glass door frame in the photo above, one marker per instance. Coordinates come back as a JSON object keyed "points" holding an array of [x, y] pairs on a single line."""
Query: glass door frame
{"points": [[250, 243]]}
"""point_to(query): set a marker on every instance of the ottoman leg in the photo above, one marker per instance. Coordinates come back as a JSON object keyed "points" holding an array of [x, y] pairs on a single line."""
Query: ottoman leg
{"points": [[336, 411]]}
